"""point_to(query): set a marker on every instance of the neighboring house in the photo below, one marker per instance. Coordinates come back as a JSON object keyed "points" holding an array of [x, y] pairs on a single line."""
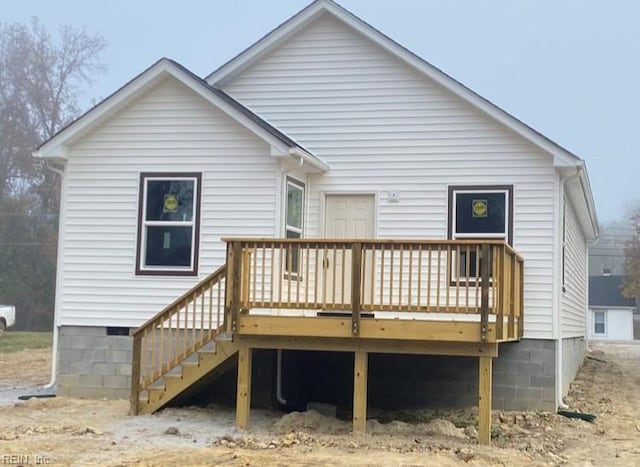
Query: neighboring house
{"points": [[325, 128], [607, 256], [610, 313]]}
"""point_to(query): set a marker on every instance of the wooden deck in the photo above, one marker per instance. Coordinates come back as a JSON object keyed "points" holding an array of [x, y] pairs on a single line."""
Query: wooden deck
{"points": [[461, 297]]}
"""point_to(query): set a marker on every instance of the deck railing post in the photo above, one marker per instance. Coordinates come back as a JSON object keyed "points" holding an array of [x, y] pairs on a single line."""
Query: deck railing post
{"points": [[521, 302], [513, 262], [136, 357], [233, 285], [504, 287], [228, 289], [485, 266], [356, 287]]}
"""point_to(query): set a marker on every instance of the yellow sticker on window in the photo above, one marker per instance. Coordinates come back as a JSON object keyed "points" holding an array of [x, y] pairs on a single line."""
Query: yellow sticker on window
{"points": [[170, 203], [479, 207]]}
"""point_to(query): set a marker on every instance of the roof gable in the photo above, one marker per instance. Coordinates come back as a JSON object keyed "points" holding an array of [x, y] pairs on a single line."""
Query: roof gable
{"points": [[281, 144], [568, 164], [318, 8]]}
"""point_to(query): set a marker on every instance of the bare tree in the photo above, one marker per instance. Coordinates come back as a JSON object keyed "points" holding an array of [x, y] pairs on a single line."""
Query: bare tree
{"points": [[41, 81], [631, 285]]}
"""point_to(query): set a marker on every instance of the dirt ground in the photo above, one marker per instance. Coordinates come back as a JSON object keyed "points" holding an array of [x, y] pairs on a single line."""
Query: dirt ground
{"points": [[60, 431]]}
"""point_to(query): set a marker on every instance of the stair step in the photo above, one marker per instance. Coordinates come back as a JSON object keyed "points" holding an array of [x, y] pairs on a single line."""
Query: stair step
{"points": [[224, 337]]}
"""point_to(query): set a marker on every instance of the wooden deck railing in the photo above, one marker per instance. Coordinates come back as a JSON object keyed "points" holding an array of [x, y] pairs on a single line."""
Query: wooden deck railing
{"points": [[177, 332], [476, 277]]}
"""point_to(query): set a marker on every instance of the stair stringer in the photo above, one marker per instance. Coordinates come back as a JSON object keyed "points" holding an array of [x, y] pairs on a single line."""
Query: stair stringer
{"points": [[172, 385]]}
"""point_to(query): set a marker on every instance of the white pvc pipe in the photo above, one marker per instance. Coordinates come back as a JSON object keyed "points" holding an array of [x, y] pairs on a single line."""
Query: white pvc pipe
{"points": [[279, 396], [56, 326], [54, 359]]}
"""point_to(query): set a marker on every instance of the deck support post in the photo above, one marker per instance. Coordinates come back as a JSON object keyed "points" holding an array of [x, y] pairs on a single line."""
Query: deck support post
{"points": [[134, 398], [360, 368], [243, 397], [484, 400]]}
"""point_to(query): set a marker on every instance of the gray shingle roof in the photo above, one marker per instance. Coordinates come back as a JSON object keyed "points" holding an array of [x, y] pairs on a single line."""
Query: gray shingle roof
{"points": [[607, 291]]}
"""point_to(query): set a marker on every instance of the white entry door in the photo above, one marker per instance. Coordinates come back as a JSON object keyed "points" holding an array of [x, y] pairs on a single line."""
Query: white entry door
{"points": [[349, 217]]}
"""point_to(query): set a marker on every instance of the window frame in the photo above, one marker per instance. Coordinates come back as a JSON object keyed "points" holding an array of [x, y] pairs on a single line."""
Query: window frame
{"points": [[141, 240], [453, 190], [481, 189], [292, 229], [603, 313]]}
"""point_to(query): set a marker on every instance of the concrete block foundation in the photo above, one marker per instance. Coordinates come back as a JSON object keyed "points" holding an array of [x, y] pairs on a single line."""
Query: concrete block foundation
{"points": [[94, 364]]}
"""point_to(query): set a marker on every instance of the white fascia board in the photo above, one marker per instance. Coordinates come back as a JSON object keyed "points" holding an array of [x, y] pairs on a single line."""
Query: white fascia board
{"points": [[309, 159], [297, 156], [585, 185], [561, 157], [57, 153], [578, 190]]}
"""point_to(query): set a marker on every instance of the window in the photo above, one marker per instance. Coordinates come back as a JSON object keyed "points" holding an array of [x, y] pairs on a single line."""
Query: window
{"points": [[479, 212], [293, 222], [598, 322], [168, 224]]}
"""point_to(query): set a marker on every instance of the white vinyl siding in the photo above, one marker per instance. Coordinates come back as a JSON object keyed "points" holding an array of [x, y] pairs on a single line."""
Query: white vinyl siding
{"points": [[169, 129], [574, 304], [382, 127]]}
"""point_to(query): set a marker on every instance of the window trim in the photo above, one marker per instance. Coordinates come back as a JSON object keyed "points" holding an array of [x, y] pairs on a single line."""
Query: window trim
{"points": [[192, 270], [290, 181]]}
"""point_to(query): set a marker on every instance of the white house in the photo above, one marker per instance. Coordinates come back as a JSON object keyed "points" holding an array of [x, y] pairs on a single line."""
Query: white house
{"points": [[610, 313], [324, 128]]}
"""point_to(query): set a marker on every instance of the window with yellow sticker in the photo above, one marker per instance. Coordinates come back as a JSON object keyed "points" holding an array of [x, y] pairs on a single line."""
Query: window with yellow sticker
{"points": [[479, 212], [168, 224]]}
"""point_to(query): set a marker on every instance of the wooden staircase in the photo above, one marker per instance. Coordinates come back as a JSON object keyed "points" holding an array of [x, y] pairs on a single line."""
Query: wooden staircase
{"points": [[180, 345], [185, 375]]}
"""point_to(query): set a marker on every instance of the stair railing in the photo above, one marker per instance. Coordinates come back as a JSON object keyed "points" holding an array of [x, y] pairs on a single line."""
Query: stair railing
{"points": [[177, 332]]}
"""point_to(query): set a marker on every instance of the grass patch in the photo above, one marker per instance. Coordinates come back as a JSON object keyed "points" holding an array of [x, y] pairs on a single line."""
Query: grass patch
{"points": [[17, 341]]}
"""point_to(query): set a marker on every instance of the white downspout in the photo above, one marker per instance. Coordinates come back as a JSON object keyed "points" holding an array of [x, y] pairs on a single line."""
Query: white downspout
{"points": [[279, 397], [56, 319], [559, 353]]}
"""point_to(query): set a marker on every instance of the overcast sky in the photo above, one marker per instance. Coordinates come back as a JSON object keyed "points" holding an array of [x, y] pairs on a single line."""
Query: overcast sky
{"points": [[568, 68]]}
